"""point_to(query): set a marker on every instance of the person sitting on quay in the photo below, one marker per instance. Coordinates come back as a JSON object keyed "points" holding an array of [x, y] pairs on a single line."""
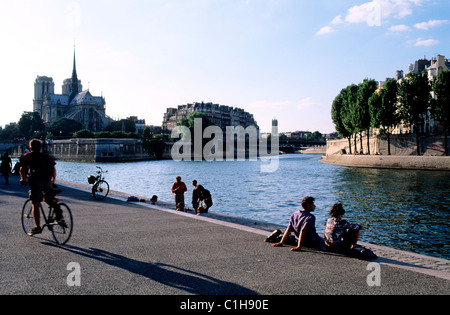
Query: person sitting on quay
{"points": [[205, 200], [342, 236], [302, 224]]}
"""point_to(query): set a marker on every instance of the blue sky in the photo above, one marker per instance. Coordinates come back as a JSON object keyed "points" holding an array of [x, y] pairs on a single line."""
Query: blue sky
{"points": [[284, 59]]}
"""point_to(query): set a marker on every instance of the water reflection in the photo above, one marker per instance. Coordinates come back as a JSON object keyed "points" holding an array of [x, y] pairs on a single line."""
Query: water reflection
{"points": [[404, 209]]}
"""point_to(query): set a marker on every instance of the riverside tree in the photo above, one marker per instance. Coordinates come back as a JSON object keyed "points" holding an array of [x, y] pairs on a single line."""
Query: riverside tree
{"points": [[361, 113], [441, 104], [337, 112], [414, 96], [350, 98], [383, 109], [30, 125]]}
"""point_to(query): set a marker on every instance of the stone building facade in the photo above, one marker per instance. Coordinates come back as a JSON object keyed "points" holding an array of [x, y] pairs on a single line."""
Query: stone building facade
{"points": [[220, 115]]}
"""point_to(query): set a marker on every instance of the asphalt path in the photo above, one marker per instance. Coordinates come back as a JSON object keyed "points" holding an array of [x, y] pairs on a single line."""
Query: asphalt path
{"points": [[120, 248]]}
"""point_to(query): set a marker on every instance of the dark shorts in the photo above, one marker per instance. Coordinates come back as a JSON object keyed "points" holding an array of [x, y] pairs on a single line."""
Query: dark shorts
{"points": [[346, 243], [38, 187]]}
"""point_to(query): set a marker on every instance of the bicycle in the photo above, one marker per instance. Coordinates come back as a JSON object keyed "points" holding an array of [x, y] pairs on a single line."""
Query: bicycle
{"points": [[60, 225], [101, 187]]}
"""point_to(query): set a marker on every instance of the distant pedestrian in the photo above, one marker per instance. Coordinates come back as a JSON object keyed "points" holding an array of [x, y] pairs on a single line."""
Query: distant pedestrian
{"points": [[6, 167], [205, 201], [195, 201], [154, 200], [178, 189]]}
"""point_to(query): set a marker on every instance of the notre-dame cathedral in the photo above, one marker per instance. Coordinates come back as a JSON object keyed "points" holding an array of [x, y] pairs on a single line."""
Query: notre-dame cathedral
{"points": [[73, 103]]}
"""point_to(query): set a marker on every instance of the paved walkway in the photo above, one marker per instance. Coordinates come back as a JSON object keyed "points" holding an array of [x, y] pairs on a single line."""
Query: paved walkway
{"points": [[136, 248]]}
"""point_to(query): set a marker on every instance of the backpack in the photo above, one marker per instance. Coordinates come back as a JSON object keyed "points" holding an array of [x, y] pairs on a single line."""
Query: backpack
{"points": [[41, 165]]}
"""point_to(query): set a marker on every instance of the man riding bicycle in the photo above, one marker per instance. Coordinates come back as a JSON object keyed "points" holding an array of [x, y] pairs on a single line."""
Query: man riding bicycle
{"points": [[40, 167]]}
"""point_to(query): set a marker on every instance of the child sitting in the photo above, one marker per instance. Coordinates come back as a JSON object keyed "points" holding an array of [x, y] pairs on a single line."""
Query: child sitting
{"points": [[340, 235]]}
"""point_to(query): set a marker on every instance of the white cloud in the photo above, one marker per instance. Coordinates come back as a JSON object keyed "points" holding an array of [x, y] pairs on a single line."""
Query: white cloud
{"points": [[399, 28], [375, 12], [337, 20], [359, 14], [430, 24], [425, 42], [386, 9], [326, 30]]}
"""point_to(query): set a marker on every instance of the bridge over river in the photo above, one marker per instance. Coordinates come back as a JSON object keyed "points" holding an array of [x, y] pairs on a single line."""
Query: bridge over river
{"points": [[15, 148]]}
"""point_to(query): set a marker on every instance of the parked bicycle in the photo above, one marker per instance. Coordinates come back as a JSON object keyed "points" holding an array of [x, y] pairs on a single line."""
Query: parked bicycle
{"points": [[60, 223], [101, 187]]}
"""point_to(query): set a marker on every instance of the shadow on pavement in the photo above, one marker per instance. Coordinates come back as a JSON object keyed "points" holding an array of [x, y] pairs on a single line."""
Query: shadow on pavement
{"points": [[176, 277]]}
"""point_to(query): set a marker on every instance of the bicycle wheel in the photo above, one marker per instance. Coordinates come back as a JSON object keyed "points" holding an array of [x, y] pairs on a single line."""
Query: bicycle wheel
{"points": [[27, 216], [100, 190], [62, 230]]}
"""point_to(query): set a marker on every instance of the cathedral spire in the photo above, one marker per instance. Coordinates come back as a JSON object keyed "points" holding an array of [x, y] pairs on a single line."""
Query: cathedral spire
{"points": [[74, 84]]}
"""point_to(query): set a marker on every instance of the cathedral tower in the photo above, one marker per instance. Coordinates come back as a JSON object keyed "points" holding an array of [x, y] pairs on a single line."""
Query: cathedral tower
{"points": [[43, 86]]}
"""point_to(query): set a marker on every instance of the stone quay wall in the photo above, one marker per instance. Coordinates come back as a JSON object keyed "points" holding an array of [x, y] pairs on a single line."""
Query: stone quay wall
{"points": [[401, 145], [98, 150], [403, 153]]}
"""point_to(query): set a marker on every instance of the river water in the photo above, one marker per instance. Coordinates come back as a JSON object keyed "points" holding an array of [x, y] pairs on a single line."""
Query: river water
{"points": [[402, 209]]}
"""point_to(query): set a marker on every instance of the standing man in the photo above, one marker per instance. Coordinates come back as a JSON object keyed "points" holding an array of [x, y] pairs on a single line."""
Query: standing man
{"points": [[40, 168], [178, 189], [195, 196], [303, 225]]}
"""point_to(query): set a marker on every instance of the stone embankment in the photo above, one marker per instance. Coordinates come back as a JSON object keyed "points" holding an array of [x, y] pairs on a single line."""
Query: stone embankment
{"points": [[439, 163]]}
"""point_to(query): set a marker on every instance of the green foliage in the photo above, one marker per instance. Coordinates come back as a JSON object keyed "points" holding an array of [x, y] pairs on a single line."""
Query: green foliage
{"points": [[441, 105], [124, 125], [189, 122], [10, 132], [350, 99], [154, 147], [30, 125], [337, 113], [440, 108], [316, 135], [64, 128], [360, 109], [383, 109], [84, 133], [414, 98], [116, 134]]}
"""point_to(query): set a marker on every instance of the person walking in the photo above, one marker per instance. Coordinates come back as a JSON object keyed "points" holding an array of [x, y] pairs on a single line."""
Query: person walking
{"points": [[6, 167], [178, 189]]}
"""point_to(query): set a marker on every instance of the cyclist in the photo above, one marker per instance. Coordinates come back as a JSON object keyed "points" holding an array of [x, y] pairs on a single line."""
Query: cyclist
{"points": [[40, 167]]}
